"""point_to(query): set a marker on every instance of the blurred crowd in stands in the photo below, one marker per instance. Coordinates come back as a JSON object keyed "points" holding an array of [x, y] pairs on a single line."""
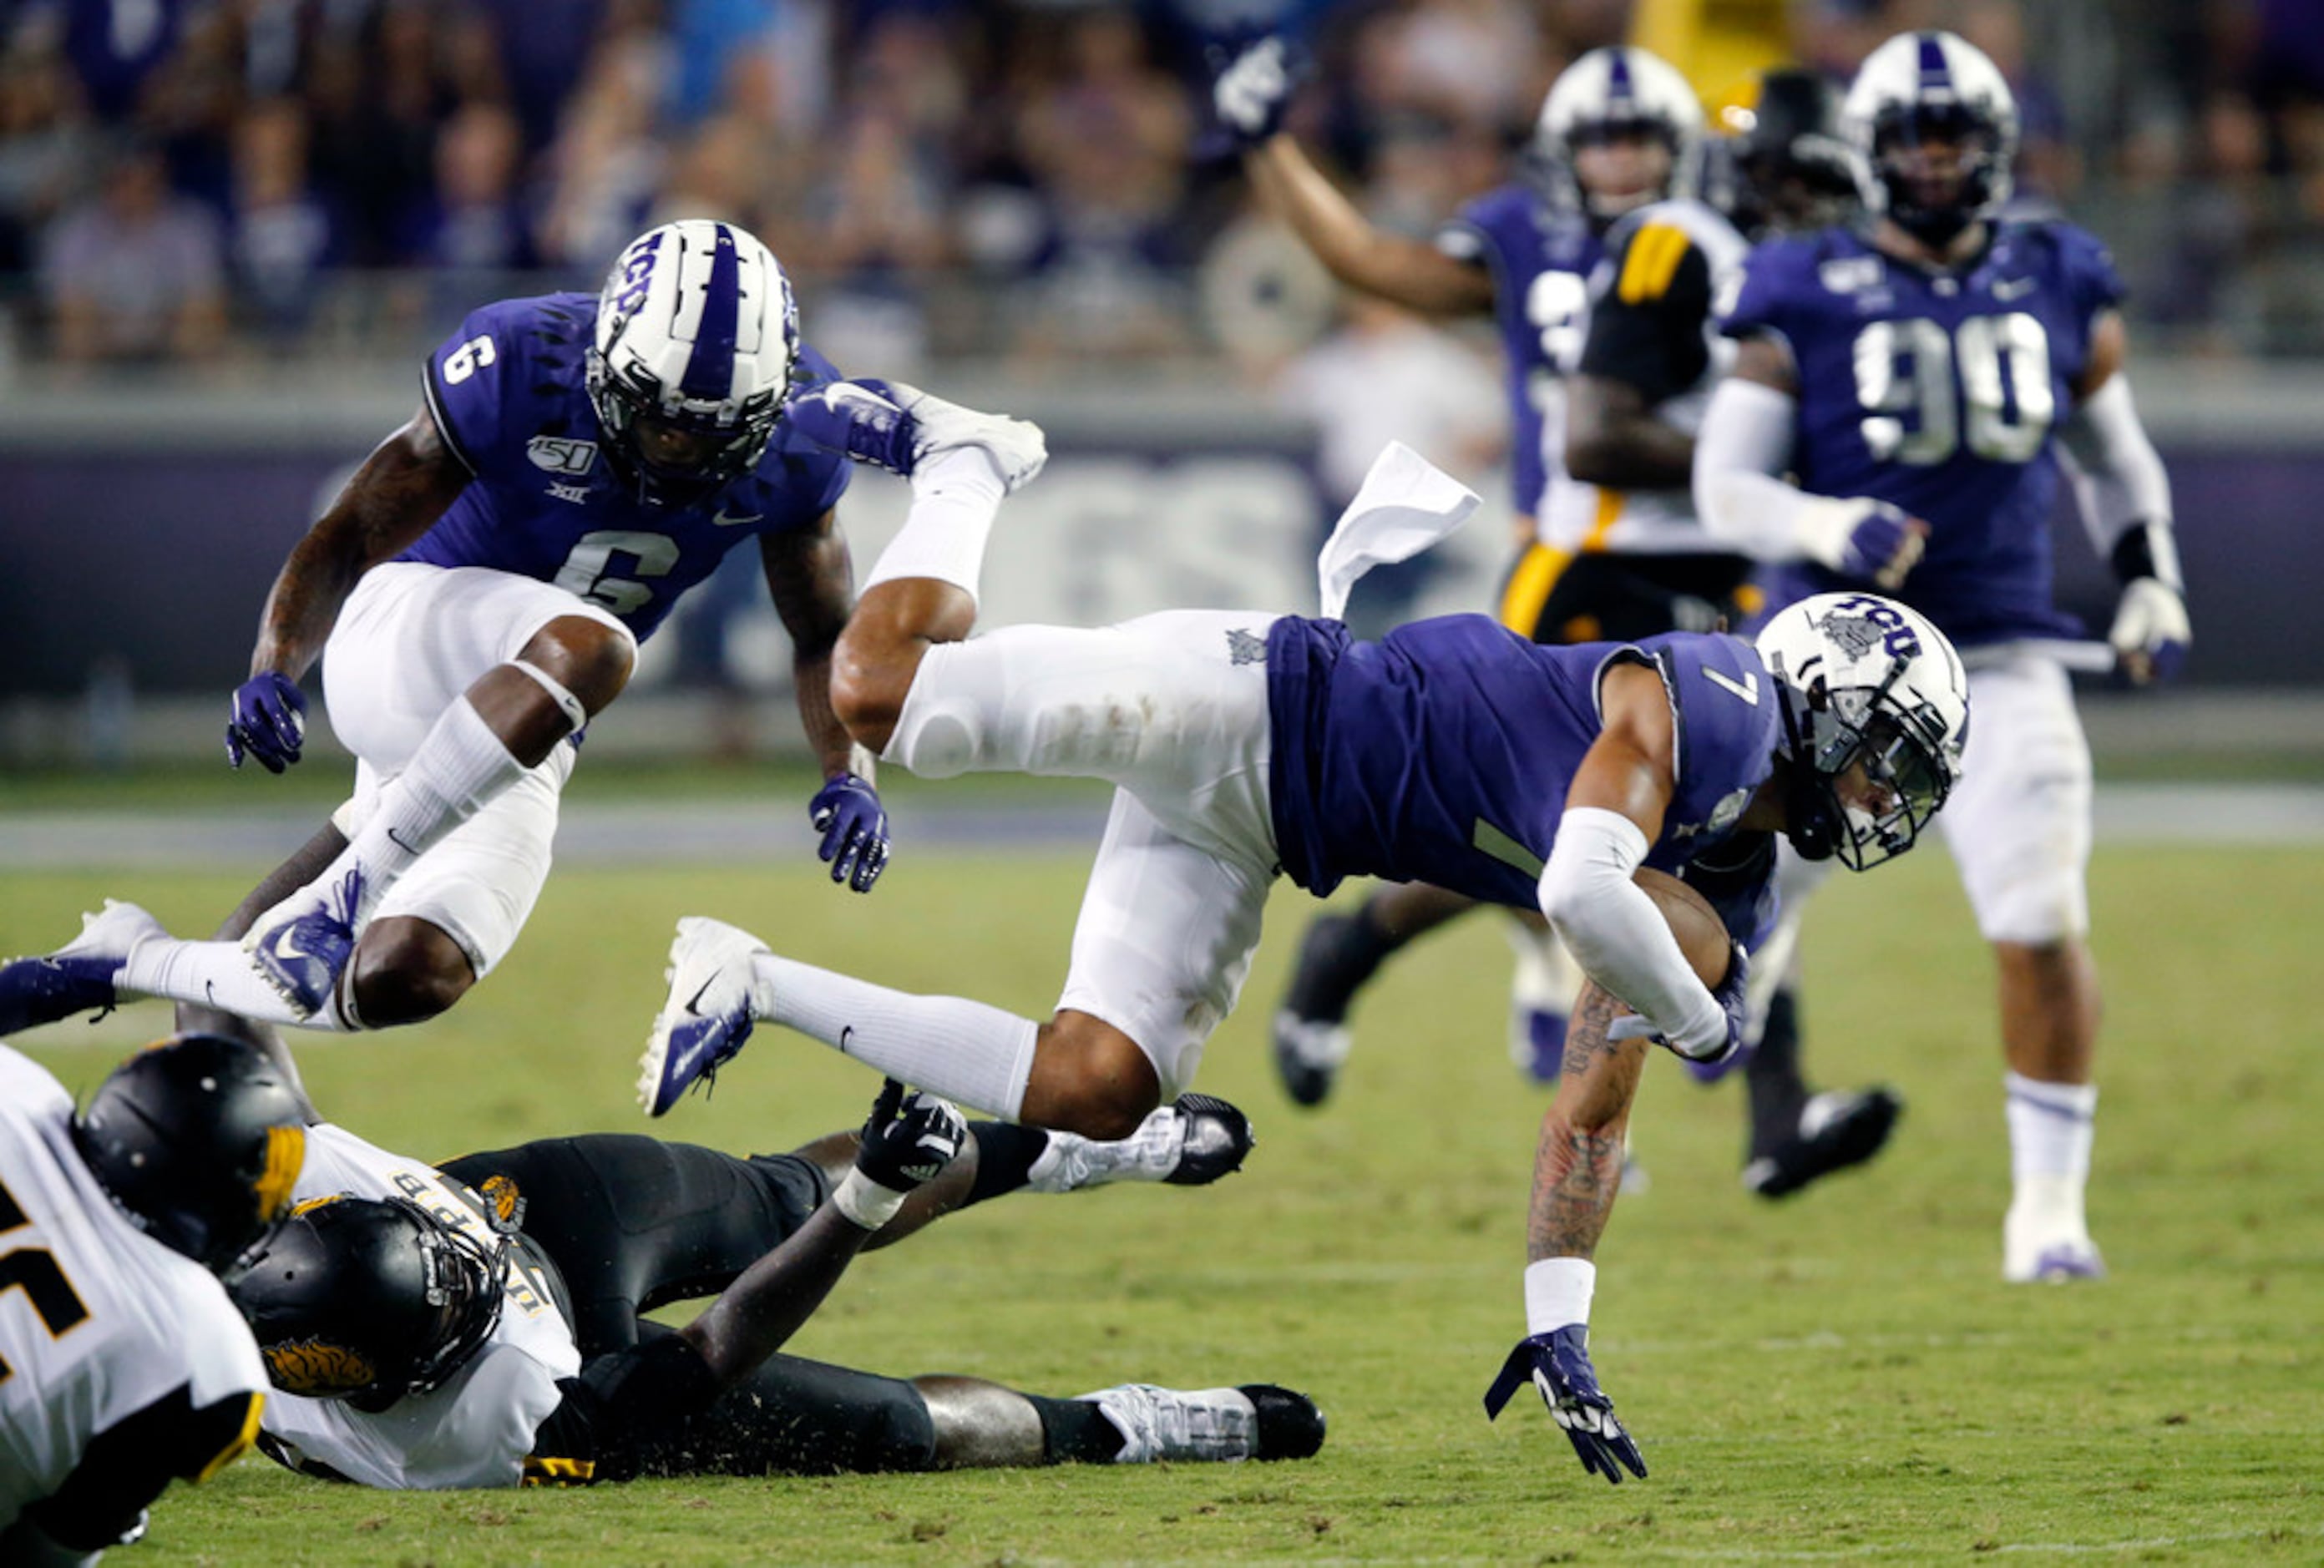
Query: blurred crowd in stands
{"points": [[230, 180]]}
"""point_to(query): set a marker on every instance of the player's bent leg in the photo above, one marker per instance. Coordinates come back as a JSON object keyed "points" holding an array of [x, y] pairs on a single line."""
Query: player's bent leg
{"points": [[1088, 1077], [879, 652], [403, 971], [504, 726]]}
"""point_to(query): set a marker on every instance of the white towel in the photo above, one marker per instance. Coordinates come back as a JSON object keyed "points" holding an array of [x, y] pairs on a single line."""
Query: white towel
{"points": [[1406, 504]]}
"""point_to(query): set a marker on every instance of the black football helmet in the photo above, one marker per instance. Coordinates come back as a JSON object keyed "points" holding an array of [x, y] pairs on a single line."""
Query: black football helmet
{"points": [[1784, 164], [198, 1138], [368, 1300]]}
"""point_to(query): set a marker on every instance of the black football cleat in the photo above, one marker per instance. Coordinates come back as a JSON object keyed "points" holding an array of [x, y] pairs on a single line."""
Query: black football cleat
{"points": [[1290, 1427], [1336, 956], [1215, 1139], [1838, 1128]]}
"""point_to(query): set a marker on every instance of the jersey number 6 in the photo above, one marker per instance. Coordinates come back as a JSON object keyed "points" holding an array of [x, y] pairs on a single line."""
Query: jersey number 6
{"points": [[589, 571]]}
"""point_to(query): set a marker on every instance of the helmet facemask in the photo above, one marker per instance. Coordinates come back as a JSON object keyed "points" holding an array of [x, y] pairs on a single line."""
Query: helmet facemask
{"points": [[737, 439], [1867, 768], [1928, 199], [464, 1278]]}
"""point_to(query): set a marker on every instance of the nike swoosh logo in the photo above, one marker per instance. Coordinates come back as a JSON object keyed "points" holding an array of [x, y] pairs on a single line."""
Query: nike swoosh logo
{"points": [[695, 1005], [286, 945], [844, 1031], [2013, 288], [396, 839], [209, 989], [720, 519]]}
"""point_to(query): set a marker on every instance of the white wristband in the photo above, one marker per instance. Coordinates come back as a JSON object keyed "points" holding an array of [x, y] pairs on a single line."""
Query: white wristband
{"points": [[1557, 1293], [866, 1204]]}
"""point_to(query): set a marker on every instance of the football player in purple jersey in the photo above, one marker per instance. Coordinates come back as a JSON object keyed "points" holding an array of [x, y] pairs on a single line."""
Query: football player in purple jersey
{"points": [[1244, 746], [1616, 132], [478, 592], [1938, 372]]}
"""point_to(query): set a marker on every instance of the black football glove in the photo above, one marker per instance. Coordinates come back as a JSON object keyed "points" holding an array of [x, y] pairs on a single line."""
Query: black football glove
{"points": [[910, 1139]]}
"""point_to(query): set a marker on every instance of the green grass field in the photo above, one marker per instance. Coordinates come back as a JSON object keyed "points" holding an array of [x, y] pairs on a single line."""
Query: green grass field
{"points": [[1842, 1378]]}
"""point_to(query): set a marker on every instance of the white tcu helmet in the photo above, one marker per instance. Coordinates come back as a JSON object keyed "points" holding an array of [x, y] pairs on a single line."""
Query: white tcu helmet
{"points": [[1864, 681], [697, 328], [1609, 92], [1922, 87]]}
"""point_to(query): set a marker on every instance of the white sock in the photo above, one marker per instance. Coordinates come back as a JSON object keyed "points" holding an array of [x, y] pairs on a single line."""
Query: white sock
{"points": [[955, 495], [215, 974], [459, 770], [973, 1055], [2051, 1126]]}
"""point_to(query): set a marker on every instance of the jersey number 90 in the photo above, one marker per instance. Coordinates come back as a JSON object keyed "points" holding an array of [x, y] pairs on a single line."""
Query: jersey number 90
{"points": [[2003, 364]]}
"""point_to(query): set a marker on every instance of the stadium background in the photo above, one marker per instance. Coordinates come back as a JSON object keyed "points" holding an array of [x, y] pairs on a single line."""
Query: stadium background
{"points": [[229, 233]]}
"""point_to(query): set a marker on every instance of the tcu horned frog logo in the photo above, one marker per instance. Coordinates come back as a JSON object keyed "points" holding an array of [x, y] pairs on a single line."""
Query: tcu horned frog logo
{"points": [[1863, 623]]}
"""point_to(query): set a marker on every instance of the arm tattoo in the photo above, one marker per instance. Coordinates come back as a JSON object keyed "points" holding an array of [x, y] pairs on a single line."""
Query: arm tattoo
{"points": [[1578, 1163]]}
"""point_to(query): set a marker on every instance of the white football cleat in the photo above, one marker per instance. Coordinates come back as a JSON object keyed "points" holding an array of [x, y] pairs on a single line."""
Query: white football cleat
{"points": [[1018, 448], [707, 1016], [2042, 1248], [1191, 1143], [301, 946], [1255, 1421]]}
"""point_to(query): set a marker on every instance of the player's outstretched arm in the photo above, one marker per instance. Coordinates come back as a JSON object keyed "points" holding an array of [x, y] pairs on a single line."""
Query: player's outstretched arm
{"points": [[2125, 497], [812, 581], [1740, 454], [397, 495], [909, 1140], [1250, 96], [1613, 814]]}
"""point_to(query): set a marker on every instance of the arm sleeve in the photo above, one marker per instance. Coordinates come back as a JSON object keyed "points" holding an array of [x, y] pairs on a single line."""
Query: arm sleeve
{"points": [[1616, 933], [130, 1463], [2119, 482], [1646, 329], [1744, 446]]}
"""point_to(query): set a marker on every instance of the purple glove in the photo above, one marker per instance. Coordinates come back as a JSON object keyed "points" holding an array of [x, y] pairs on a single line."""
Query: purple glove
{"points": [[1884, 548], [854, 826], [268, 721], [863, 419], [1558, 1363]]}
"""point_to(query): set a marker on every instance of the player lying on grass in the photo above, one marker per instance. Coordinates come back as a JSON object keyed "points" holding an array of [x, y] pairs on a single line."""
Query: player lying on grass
{"points": [[122, 1362], [1247, 745], [481, 1324]]}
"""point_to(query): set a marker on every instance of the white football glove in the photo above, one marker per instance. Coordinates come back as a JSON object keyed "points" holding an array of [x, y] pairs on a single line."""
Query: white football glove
{"points": [[2150, 633]]}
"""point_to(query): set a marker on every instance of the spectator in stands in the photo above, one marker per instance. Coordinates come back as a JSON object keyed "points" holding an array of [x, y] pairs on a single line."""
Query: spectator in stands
{"points": [[283, 237], [136, 273], [46, 145]]}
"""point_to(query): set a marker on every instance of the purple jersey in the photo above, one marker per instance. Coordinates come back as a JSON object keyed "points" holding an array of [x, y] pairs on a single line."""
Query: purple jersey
{"points": [[1442, 752], [1939, 392], [506, 389], [1541, 261]]}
